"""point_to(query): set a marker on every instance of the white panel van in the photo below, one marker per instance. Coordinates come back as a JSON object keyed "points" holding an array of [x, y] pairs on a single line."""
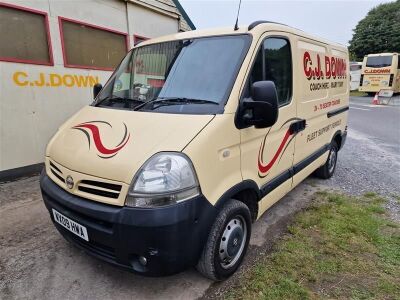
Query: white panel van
{"points": [[355, 75], [191, 140]]}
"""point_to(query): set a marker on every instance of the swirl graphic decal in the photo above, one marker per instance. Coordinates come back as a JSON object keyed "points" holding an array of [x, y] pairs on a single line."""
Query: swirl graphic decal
{"points": [[264, 168], [90, 128]]}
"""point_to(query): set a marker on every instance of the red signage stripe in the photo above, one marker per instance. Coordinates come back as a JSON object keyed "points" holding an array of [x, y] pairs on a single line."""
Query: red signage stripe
{"points": [[97, 139], [265, 168]]}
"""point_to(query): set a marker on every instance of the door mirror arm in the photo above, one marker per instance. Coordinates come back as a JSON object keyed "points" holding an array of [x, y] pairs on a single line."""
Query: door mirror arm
{"points": [[96, 89]]}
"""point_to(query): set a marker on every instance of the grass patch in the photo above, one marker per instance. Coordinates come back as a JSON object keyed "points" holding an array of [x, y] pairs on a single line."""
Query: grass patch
{"points": [[358, 94], [340, 247], [370, 195]]}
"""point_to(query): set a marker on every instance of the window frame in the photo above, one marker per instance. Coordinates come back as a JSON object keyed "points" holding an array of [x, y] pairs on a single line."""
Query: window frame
{"points": [[398, 61], [64, 54], [137, 36], [221, 108], [261, 46], [47, 29]]}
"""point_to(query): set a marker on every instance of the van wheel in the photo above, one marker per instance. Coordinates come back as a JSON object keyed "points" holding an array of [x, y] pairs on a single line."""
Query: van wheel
{"points": [[328, 169], [227, 243]]}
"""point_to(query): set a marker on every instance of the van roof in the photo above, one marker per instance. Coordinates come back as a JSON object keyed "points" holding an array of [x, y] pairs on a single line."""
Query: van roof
{"points": [[380, 54], [256, 28]]}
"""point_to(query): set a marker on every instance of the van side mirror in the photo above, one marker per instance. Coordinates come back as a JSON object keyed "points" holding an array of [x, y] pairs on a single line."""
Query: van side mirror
{"points": [[96, 89], [261, 110]]}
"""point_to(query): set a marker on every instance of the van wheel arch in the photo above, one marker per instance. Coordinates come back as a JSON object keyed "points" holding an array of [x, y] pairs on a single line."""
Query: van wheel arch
{"points": [[247, 192], [337, 137]]}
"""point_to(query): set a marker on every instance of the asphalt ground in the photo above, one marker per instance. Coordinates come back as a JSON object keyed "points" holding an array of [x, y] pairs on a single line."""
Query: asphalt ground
{"points": [[380, 122], [370, 160], [37, 263]]}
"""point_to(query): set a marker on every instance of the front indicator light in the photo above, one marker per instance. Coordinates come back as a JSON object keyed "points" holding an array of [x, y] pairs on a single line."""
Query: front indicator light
{"points": [[154, 200]]}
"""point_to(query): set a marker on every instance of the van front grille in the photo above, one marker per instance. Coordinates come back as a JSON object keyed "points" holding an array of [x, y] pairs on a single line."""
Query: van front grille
{"points": [[98, 192], [100, 188], [58, 176], [57, 172], [105, 185], [90, 187], [55, 168]]}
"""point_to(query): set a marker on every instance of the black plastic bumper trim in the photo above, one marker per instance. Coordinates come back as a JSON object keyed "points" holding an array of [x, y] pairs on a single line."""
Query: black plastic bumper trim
{"points": [[286, 175], [171, 237]]}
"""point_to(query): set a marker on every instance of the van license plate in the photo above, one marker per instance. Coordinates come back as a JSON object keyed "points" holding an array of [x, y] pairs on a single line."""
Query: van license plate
{"points": [[72, 226]]}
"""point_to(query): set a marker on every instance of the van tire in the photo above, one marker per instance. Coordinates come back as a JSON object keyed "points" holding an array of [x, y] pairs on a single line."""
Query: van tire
{"points": [[210, 263], [328, 169]]}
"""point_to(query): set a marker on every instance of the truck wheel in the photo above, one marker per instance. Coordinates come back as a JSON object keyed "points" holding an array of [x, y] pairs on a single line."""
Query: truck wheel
{"points": [[328, 169], [227, 242]]}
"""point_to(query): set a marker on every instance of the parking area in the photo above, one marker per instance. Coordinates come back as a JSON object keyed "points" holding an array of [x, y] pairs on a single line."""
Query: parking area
{"points": [[36, 262]]}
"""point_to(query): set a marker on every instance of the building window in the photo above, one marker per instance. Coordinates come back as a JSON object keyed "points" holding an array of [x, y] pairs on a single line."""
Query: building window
{"points": [[91, 47], [278, 67], [24, 35], [137, 39]]}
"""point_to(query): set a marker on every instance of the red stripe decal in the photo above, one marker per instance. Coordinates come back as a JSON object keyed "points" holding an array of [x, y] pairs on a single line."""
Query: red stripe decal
{"points": [[97, 140], [265, 168]]}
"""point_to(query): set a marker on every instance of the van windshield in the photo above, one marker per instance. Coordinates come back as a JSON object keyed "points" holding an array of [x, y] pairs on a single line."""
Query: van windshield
{"points": [[379, 61], [183, 76]]}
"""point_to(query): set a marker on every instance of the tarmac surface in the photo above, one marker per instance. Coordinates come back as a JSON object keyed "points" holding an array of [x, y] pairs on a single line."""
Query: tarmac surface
{"points": [[37, 263], [370, 160]]}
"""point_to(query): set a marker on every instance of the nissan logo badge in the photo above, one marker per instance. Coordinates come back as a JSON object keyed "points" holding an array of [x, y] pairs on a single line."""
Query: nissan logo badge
{"points": [[70, 182]]}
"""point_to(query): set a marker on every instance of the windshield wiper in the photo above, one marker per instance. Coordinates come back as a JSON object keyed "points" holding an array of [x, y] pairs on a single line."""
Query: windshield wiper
{"points": [[176, 101], [116, 99], [119, 99]]}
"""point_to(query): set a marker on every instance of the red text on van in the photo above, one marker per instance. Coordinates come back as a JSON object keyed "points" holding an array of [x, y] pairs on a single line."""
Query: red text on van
{"points": [[331, 67]]}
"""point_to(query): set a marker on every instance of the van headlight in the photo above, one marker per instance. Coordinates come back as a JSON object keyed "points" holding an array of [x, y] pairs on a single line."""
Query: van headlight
{"points": [[166, 178]]}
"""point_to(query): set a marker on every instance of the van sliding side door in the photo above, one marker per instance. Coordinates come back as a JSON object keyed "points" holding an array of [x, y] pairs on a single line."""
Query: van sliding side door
{"points": [[321, 88]]}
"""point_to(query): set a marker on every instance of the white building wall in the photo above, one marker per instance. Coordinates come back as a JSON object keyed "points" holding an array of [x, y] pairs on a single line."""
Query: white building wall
{"points": [[30, 114], [146, 23]]}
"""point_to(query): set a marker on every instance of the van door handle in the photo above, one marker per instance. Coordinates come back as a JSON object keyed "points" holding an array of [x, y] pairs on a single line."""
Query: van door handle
{"points": [[298, 126]]}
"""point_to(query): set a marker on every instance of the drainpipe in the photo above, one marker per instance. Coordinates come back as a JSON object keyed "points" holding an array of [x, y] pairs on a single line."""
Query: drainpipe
{"points": [[127, 23]]}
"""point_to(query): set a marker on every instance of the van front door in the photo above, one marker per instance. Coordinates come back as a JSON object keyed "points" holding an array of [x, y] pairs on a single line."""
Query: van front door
{"points": [[267, 153]]}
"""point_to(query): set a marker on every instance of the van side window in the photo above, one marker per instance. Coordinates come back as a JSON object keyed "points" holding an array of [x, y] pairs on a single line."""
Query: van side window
{"points": [[278, 67], [257, 72], [274, 62]]}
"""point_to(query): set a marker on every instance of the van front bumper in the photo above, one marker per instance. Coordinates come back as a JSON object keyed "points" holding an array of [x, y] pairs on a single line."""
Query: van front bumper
{"points": [[171, 238]]}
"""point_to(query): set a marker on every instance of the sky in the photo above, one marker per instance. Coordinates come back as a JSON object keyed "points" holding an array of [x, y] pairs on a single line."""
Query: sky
{"points": [[333, 20]]}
